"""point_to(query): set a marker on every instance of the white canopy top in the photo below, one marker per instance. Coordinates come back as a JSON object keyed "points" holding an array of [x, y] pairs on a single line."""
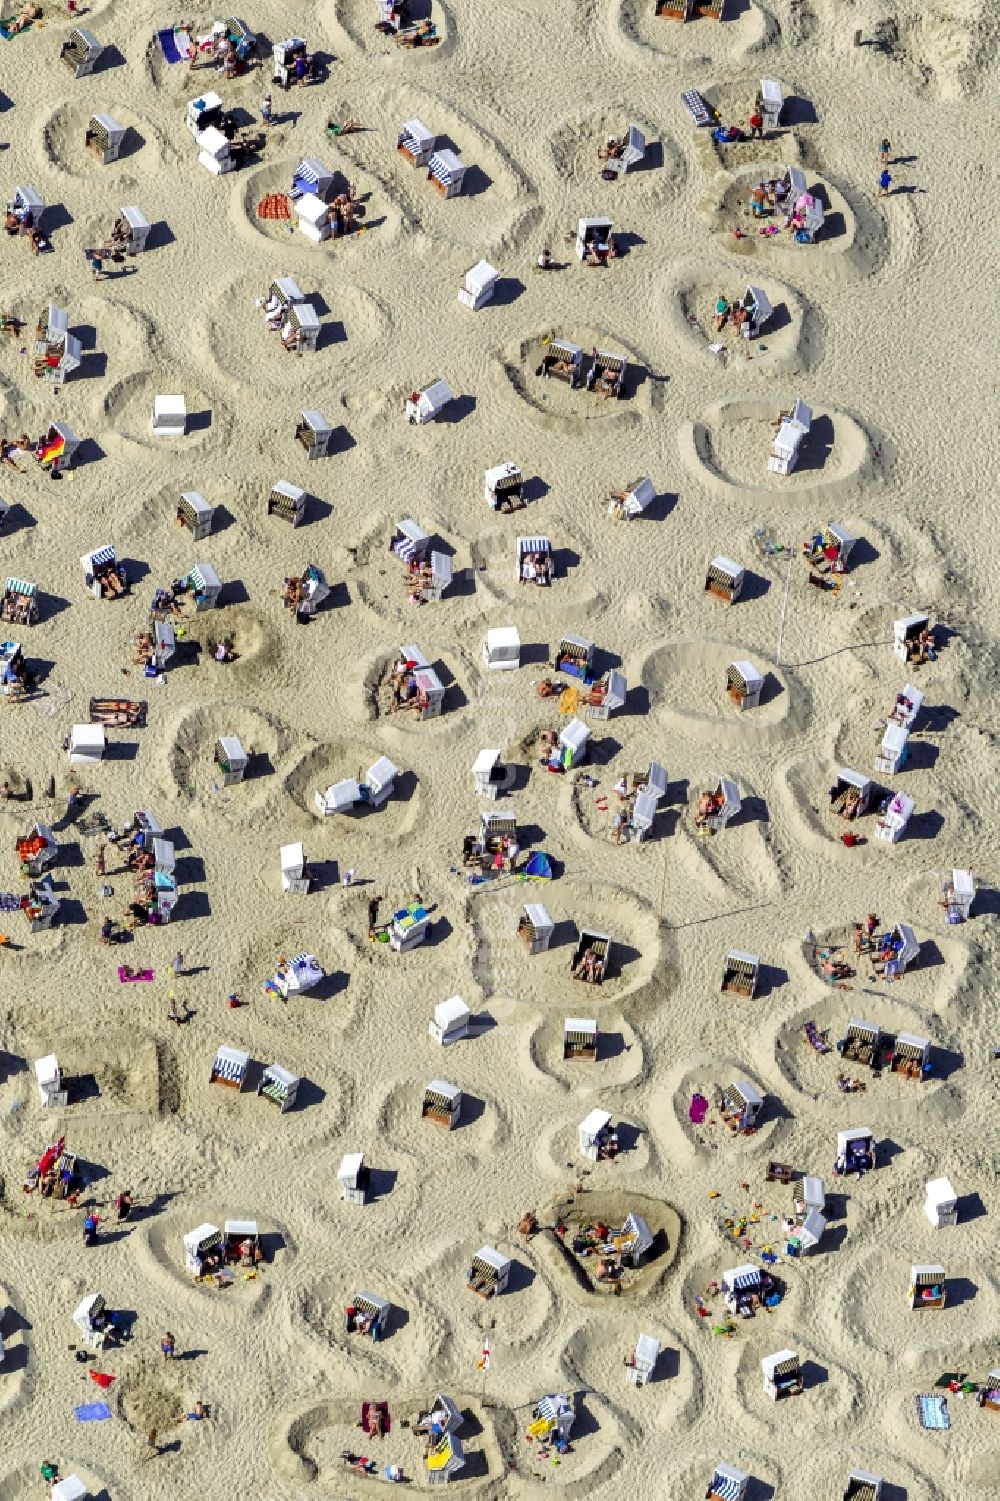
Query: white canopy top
{"points": [[940, 1192], [442, 1087], [70, 1489], [646, 1349], [350, 1165], [853, 778], [963, 883], [493, 1258], [47, 1069], [195, 1238], [595, 1122], [243, 1228], [748, 673], [580, 1024], [748, 1092], [452, 1010], [481, 277], [727, 566], [485, 761], [742, 957], [498, 636]]}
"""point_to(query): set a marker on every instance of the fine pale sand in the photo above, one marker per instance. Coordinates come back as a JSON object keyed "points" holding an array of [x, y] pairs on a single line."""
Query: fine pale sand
{"points": [[884, 329]]}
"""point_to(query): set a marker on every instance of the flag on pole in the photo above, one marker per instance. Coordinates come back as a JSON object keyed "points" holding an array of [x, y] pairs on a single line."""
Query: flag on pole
{"points": [[484, 1359]]}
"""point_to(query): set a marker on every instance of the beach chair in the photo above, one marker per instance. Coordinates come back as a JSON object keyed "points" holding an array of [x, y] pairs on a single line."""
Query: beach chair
{"points": [[442, 1104], [941, 1203], [724, 580], [230, 1068], [503, 488], [479, 286], [104, 138], [80, 52], [772, 102], [788, 440], [451, 1021], [287, 501], [279, 1085], [195, 514], [316, 436], [744, 685], [169, 416], [502, 648], [447, 172], [489, 1273], [416, 143], [580, 1040]]}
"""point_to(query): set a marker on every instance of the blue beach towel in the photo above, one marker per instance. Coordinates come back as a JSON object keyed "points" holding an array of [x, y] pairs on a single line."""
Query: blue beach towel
{"points": [[932, 1412], [92, 1412], [168, 45]]}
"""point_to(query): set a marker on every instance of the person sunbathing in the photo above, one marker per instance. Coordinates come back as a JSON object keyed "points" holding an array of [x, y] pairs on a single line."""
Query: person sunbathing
{"points": [[590, 967], [27, 15], [709, 804], [611, 150], [6, 450]]}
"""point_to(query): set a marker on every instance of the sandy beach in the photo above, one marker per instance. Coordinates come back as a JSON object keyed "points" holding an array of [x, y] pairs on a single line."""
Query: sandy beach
{"points": [[882, 328]]}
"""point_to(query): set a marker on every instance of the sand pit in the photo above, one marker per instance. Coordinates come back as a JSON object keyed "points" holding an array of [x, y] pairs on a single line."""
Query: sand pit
{"points": [[354, 17], [783, 342], [143, 149], [160, 1251], [558, 408], [573, 1254], [501, 962], [729, 449], [620, 1056], [310, 1446], [687, 682], [575, 148], [194, 766], [699, 43]]}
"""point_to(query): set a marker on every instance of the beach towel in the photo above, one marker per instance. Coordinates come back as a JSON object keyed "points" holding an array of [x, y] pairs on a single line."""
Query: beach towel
{"points": [[569, 700], [102, 1378], [92, 1412], [142, 974], [274, 206], [698, 1109], [932, 1411], [175, 45], [815, 1037]]}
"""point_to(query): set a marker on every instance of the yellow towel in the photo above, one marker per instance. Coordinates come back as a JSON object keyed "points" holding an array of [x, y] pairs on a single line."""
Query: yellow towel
{"points": [[569, 700]]}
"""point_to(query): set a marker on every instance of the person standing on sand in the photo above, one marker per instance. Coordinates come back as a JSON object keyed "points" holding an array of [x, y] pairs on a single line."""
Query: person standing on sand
{"points": [[884, 148], [99, 861], [150, 1448], [177, 964], [884, 183], [373, 907], [265, 111]]}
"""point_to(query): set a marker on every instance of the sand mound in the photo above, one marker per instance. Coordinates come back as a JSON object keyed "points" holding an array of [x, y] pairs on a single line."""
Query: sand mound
{"points": [[555, 406], [502, 965], [728, 449], [786, 343], [143, 151], [621, 1058], [354, 19], [700, 43], [574, 147], [192, 758]]}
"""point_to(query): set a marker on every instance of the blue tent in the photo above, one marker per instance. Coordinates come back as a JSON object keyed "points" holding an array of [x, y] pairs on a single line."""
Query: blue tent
{"points": [[538, 868]]}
